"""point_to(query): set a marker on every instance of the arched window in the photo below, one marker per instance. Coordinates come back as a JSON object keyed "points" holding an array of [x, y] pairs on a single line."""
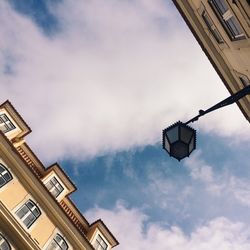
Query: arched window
{"points": [[58, 243], [28, 213], [4, 244], [5, 175]]}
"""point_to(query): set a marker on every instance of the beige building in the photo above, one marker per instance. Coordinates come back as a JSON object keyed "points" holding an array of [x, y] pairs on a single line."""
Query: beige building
{"points": [[35, 209], [222, 28]]}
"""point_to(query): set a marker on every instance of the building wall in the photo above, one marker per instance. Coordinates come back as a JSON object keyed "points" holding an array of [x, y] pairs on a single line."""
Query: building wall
{"points": [[25, 181], [229, 55]]}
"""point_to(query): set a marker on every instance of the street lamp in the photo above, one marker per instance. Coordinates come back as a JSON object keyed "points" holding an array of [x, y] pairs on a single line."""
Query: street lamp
{"points": [[179, 139]]}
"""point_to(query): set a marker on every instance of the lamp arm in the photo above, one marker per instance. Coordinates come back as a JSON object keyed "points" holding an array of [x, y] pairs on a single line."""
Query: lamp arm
{"points": [[229, 100]]}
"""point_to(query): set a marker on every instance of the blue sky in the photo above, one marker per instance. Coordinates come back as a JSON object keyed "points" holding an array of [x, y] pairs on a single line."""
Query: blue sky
{"points": [[97, 82]]}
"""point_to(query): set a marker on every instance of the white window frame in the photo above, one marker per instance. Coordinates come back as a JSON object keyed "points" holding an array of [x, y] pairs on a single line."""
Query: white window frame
{"points": [[49, 177], [28, 213], [3, 240], [58, 245], [99, 242], [49, 241], [55, 186], [6, 122], [4, 173]]}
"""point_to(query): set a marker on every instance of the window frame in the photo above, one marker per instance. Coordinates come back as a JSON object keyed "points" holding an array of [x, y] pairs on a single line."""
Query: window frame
{"points": [[3, 173], [57, 244], [224, 18], [29, 211], [7, 123], [4, 240], [54, 186], [211, 26], [98, 243], [244, 80]]}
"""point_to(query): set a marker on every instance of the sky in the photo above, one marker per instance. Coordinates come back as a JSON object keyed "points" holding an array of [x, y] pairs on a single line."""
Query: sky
{"points": [[98, 81]]}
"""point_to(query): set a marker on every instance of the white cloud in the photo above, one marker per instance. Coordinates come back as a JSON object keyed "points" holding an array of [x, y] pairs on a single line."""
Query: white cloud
{"points": [[240, 188], [113, 77], [224, 183], [128, 225]]}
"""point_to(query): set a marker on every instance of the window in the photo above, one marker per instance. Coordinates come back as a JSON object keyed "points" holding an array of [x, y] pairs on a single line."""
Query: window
{"points": [[5, 175], [228, 20], [212, 27], [4, 244], [5, 124], [100, 244], [58, 243], [54, 186], [245, 81], [28, 213]]}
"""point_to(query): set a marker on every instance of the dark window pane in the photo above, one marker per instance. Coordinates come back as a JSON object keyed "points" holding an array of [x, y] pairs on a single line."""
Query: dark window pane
{"points": [[2, 168], [5, 123], [58, 243], [221, 6], [22, 211], [5, 175], [30, 204], [64, 246], [234, 26], [2, 181], [100, 244], [4, 245], [217, 36], [173, 134], [28, 213], [186, 134], [29, 219], [36, 212], [54, 186]]}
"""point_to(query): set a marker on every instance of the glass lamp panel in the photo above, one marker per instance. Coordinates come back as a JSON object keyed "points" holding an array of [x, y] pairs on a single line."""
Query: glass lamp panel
{"points": [[186, 134], [179, 150], [173, 134], [191, 145], [166, 144]]}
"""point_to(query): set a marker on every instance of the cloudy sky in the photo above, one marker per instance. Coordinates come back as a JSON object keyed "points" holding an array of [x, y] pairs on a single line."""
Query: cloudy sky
{"points": [[97, 81]]}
